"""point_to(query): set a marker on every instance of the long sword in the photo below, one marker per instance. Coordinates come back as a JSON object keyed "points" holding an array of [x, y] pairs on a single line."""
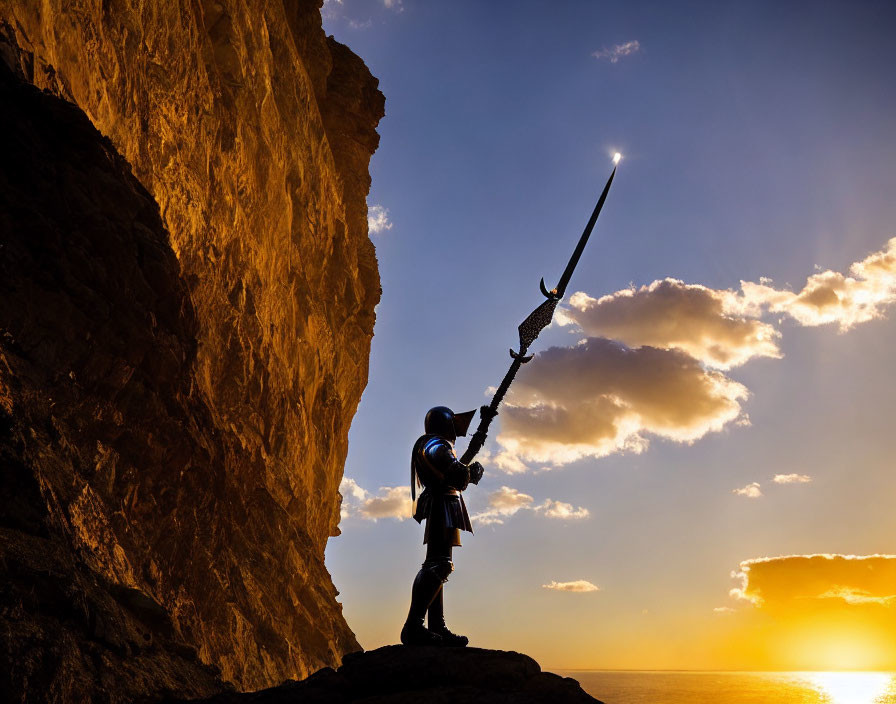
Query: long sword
{"points": [[532, 326]]}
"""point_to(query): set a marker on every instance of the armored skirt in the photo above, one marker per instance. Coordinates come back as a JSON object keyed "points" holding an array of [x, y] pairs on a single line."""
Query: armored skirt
{"points": [[446, 516]]}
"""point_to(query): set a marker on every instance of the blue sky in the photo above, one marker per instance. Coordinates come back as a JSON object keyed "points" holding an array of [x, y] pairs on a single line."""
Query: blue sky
{"points": [[758, 141]]}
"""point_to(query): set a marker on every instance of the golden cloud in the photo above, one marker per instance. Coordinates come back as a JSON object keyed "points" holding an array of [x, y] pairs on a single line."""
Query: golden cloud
{"points": [[389, 502], [721, 327], [830, 297], [601, 396], [392, 502], [857, 596], [670, 314], [751, 491], [801, 581], [506, 502], [579, 585], [503, 503], [792, 479], [562, 510]]}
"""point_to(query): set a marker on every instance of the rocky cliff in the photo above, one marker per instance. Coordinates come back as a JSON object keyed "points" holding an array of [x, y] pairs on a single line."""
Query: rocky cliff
{"points": [[185, 320]]}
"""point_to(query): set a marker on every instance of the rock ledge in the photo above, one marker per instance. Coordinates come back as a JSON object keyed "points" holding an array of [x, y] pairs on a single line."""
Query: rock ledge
{"points": [[395, 674]]}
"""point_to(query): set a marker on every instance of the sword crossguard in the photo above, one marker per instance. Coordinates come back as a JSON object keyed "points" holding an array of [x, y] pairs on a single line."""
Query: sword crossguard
{"points": [[523, 358], [551, 295], [487, 412]]}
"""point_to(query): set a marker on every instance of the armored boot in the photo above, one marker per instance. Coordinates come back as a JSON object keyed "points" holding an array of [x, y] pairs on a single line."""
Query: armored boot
{"points": [[437, 622], [427, 584]]}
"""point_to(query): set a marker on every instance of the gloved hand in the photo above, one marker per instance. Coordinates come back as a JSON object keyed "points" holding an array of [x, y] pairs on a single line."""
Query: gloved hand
{"points": [[476, 472]]}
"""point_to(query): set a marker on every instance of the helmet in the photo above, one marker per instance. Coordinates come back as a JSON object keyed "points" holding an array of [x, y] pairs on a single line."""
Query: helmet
{"points": [[444, 422]]}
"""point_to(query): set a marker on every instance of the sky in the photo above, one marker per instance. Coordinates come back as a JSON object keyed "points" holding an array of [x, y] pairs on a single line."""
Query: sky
{"points": [[696, 471]]}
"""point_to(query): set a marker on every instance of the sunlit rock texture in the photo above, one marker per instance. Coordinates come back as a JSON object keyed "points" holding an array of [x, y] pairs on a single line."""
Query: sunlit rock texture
{"points": [[179, 365]]}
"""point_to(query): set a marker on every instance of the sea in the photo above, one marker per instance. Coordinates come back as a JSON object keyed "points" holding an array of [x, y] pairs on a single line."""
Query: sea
{"points": [[660, 687]]}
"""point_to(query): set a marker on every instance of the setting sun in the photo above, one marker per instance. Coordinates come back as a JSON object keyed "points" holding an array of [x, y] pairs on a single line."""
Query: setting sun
{"points": [[852, 687], [834, 650]]}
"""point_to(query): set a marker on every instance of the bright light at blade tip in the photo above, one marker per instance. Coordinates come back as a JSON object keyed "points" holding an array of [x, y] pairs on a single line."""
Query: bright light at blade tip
{"points": [[616, 157]]}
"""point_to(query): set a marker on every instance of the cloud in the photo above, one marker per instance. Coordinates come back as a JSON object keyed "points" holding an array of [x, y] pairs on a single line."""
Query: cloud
{"points": [[792, 581], [617, 51], [851, 595], [670, 314], [509, 462], [378, 219], [501, 504], [349, 487], [394, 5], [723, 610], [331, 9], [662, 373], [751, 491], [350, 490], [559, 509], [393, 502], [792, 479], [830, 297], [579, 585], [600, 397], [506, 502], [721, 328], [389, 502]]}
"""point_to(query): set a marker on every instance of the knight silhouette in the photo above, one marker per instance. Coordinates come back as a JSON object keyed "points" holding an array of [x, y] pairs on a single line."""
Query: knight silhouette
{"points": [[435, 466]]}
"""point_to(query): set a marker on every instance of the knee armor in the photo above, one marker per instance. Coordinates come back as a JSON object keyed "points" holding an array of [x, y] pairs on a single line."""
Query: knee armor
{"points": [[439, 568]]}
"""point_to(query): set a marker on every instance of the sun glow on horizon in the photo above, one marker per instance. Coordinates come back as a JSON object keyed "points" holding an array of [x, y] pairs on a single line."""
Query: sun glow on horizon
{"points": [[851, 687], [832, 646]]}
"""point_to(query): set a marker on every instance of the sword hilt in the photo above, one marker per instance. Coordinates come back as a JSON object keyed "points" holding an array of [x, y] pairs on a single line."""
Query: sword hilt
{"points": [[476, 443]]}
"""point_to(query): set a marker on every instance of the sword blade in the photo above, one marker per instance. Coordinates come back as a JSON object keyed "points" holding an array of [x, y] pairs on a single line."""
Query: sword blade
{"points": [[530, 328], [583, 240]]}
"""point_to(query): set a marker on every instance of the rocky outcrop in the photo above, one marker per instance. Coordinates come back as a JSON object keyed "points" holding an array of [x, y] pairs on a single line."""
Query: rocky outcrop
{"points": [[399, 675], [186, 314]]}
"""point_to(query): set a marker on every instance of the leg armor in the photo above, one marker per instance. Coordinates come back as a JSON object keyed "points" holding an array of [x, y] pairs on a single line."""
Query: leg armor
{"points": [[427, 584], [438, 557], [437, 622]]}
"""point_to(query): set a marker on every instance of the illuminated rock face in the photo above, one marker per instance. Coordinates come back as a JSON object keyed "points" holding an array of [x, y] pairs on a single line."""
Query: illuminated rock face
{"points": [[178, 411]]}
